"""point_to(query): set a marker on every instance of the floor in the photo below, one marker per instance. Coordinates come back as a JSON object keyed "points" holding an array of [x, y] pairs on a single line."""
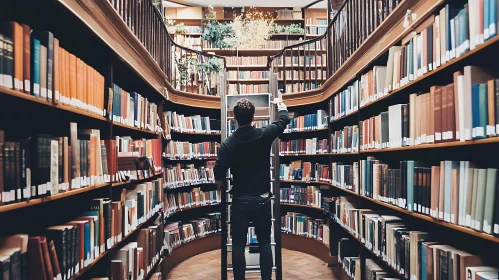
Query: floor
{"points": [[296, 266]]}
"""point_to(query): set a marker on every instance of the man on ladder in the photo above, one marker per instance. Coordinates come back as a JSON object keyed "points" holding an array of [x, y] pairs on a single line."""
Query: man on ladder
{"points": [[246, 152]]}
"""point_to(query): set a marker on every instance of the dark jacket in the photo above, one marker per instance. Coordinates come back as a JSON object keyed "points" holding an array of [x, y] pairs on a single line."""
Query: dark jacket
{"points": [[247, 153]]}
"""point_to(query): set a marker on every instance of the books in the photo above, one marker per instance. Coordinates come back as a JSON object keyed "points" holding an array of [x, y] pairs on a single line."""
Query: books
{"points": [[301, 224], [345, 101], [36, 64], [185, 150], [407, 251], [180, 123], [304, 146], [248, 75], [132, 109], [345, 140], [178, 233], [175, 202], [302, 195], [315, 121], [345, 176], [306, 171], [180, 175]]}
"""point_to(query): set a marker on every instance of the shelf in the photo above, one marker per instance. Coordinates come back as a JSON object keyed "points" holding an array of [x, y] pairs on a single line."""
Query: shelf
{"points": [[303, 182], [36, 201], [427, 218], [192, 159], [315, 25], [247, 66], [436, 145], [343, 154], [188, 34], [305, 131], [288, 34], [366, 248], [157, 264], [300, 205], [135, 128], [306, 155], [233, 52], [313, 35], [59, 106], [308, 246], [116, 245], [118, 184], [345, 116], [190, 208], [248, 80], [197, 133], [442, 67]]}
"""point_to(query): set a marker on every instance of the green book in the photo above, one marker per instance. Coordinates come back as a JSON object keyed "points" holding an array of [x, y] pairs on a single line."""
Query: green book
{"points": [[473, 197], [490, 194], [480, 198], [482, 102], [410, 185]]}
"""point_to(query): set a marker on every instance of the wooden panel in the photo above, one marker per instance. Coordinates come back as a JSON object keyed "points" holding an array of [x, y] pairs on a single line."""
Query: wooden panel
{"points": [[190, 13], [103, 20], [308, 246]]}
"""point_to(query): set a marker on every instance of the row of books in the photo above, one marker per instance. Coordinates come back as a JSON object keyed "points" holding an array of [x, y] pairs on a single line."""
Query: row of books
{"points": [[346, 140], [314, 121], [270, 44], [296, 13], [242, 75], [242, 89], [138, 159], [189, 41], [315, 30], [299, 86], [455, 30], [295, 194], [185, 150], [311, 21], [457, 192], [132, 109], [305, 171], [300, 75], [301, 224], [414, 254], [310, 60], [345, 101], [137, 258], [180, 123], [179, 175], [464, 110], [63, 250], [191, 29], [345, 175], [179, 233], [185, 200], [304, 146], [246, 60], [33, 62]]}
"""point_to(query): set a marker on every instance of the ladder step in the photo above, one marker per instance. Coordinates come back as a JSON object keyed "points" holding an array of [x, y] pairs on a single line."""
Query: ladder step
{"points": [[271, 243], [252, 268], [273, 220]]}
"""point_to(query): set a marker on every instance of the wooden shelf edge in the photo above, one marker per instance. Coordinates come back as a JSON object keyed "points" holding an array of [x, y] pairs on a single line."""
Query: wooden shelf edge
{"points": [[192, 99], [192, 159], [300, 205], [436, 145], [427, 218], [307, 131], [307, 245], [191, 208], [135, 128], [118, 184], [117, 245], [303, 182], [36, 201], [196, 133]]}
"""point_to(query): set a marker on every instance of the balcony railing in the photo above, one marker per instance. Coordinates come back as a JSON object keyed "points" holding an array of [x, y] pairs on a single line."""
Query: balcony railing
{"points": [[307, 65], [186, 69]]}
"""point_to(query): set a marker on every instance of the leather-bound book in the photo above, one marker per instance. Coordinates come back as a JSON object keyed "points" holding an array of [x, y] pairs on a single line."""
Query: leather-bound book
{"points": [[26, 58], [53, 259], [36, 264]]}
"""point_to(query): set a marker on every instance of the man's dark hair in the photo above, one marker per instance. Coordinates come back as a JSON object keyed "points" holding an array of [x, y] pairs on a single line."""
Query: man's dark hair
{"points": [[244, 111]]}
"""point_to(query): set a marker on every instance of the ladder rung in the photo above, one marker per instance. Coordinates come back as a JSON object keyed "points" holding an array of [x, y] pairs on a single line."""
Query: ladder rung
{"points": [[271, 243], [252, 268], [273, 220]]}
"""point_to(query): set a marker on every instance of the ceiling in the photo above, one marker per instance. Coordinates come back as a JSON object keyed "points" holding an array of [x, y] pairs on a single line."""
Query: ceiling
{"points": [[247, 3]]}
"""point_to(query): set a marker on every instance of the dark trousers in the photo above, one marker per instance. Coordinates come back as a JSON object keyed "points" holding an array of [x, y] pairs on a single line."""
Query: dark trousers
{"points": [[257, 210]]}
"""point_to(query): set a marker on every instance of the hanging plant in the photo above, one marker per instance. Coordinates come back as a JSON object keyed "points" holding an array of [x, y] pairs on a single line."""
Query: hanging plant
{"points": [[210, 68], [186, 67]]}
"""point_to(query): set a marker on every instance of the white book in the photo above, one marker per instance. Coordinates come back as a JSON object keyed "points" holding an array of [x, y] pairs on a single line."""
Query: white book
{"points": [[54, 167]]}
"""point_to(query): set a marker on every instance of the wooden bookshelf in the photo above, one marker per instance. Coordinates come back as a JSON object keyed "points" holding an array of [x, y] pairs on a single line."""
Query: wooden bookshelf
{"points": [[308, 246], [307, 131], [306, 155], [300, 205], [304, 182]]}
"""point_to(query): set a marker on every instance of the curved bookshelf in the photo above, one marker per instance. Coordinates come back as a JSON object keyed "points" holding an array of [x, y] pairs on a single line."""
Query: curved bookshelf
{"points": [[426, 218], [189, 209], [304, 182], [300, 205], [307, 245], [307, 131], [436, 145]]}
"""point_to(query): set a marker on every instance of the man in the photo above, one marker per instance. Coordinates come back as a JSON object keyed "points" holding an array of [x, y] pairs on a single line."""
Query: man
{"points": [[247, 153]]}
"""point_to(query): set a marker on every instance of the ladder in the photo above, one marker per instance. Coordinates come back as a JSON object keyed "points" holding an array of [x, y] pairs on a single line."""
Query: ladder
{"points": [[265, 111]]}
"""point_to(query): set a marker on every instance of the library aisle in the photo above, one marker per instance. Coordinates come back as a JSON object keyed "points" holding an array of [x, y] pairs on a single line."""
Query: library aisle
{"points": [[295, 266]]}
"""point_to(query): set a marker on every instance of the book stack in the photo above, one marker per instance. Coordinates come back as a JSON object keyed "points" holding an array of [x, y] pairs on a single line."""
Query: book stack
{"points": [[345, 176], [179, 233], [193, 199], [454, 31], [180, 123], [312, 60], [241, 89], [180, 175], [43, 165], [315, 121], [304, 171], [34, 63], [284, 13], [185, 150], [301, 86], [301, 224], [372, 85], [413, 254], [346, 140], [345, 101], [137, 159], [246, 60], [136, 259], [304, 146], [132, 109], [248, 75], [457, 192], [310, 195]]}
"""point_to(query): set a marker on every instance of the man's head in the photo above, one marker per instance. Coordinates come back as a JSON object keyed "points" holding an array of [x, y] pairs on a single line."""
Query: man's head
{"points": [[244, 112]]}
